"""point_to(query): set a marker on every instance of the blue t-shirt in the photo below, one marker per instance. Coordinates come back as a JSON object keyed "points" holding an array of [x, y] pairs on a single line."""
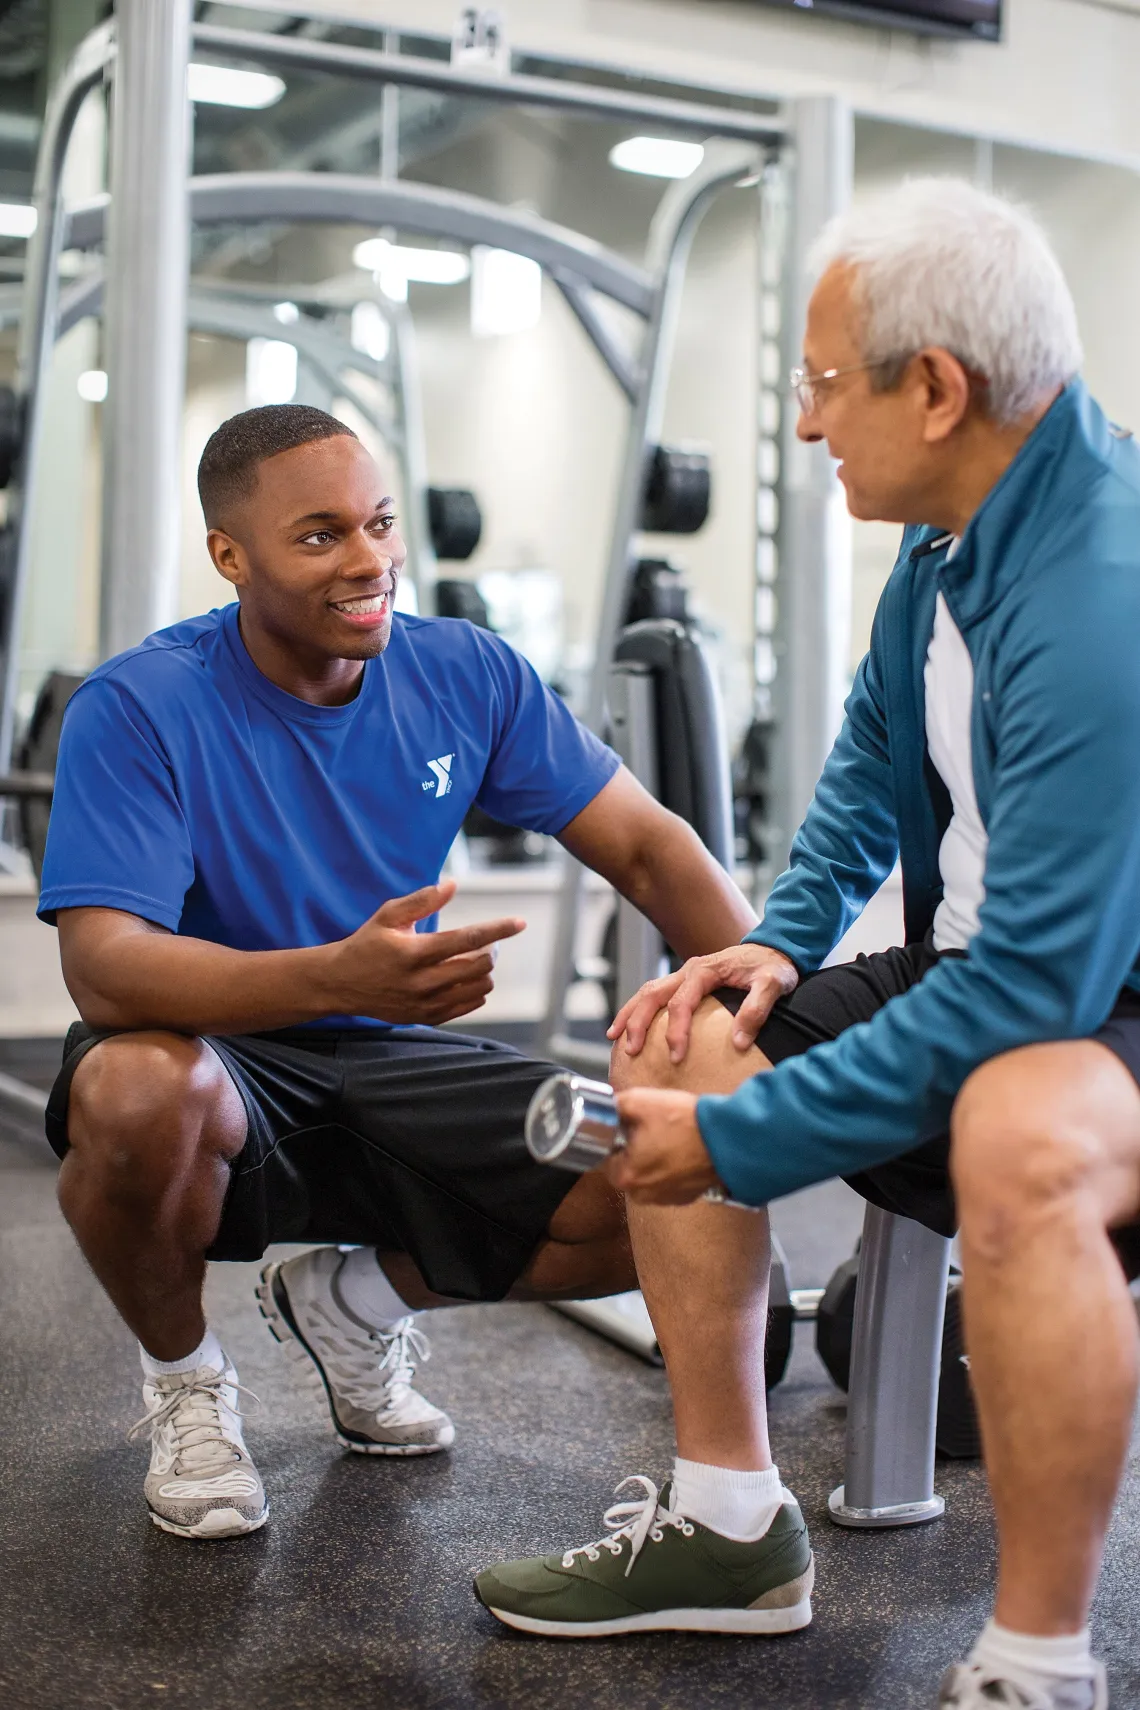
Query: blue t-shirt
{"points": [[194, 792]]}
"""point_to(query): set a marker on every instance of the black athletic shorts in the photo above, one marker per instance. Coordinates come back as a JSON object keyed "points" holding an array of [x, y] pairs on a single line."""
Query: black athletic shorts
{"points": [[825, 1003], [409, 1141]]}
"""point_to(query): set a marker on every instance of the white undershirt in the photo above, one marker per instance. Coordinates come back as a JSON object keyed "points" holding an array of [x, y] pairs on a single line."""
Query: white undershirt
{"points": [[949, 679]]}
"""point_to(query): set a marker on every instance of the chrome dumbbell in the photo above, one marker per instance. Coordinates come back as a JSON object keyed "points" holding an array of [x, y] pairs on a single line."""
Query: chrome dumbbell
{"points": [[574, 1124]]}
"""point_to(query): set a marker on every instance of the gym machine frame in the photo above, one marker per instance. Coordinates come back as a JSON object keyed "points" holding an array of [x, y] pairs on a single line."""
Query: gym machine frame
{"points": [[889, 1473]]}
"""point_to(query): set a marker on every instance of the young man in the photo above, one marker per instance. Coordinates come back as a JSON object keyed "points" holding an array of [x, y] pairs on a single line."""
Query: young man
{"points": [[251, 813], [986, 1074]]}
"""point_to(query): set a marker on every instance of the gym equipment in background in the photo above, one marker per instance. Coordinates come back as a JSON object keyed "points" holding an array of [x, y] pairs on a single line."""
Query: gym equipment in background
{"points": [[10, 414], [458, 597], [37, 755], [455, 522], [678, 491], [740, 144]]}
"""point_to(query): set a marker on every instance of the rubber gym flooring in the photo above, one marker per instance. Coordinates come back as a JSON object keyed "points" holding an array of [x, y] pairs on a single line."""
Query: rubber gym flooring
{"points": [[356, 1595]]}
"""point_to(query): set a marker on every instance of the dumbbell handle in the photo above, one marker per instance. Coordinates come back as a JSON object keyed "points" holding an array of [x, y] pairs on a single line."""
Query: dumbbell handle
{"points": [[574, 1124]]}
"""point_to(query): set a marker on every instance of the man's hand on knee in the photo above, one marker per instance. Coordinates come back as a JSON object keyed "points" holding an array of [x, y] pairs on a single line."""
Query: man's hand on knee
{"points": [[764, 974], [664, 1160]]}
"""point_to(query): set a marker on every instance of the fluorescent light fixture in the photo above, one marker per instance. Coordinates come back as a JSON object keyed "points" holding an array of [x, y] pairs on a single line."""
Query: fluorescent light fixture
{"points": [[270, 371], [395, 264], [657, 157], [506, 292], [225, 86], [287, 313], [369, 330], [17, 219], [92, 385]]}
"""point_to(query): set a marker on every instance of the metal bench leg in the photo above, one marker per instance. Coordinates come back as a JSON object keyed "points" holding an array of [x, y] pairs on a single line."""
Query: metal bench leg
{"points": [[896, 1353]]}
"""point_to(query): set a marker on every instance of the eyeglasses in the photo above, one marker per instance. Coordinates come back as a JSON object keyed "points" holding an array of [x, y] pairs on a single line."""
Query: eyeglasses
{"points": [[803, 384]]}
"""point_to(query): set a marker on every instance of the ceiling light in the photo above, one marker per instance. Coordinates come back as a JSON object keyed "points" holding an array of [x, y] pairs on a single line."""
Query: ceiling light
{"points": [[270, 371], [92, 385], [506, 292], [396, 264], [657, 157], [224, 86], [369, 330], [17, 219], [287, 313]]}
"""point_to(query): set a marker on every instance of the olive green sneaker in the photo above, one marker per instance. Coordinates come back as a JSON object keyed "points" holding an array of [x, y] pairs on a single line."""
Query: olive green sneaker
{"points": [[659, 1571]]}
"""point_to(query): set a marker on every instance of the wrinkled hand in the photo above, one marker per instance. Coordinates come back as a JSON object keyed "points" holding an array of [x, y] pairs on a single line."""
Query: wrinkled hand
{"points": [[388, 970], [764, 974], [664, 1160]]}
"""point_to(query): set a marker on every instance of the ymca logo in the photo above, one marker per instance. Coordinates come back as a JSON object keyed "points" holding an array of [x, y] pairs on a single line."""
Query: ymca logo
{"points": [[440, 780]]}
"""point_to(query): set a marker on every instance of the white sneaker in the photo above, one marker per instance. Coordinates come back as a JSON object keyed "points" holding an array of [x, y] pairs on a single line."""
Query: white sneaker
{"points": [[969, 1686], [202, 1482], [367, 1374]]}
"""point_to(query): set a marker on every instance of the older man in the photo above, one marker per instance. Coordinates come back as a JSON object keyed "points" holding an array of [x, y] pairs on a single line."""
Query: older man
{"points": [[986, 1073]]}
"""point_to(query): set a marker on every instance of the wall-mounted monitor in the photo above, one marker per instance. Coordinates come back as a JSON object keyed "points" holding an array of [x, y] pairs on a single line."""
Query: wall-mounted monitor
{"points": [[979, 19]]}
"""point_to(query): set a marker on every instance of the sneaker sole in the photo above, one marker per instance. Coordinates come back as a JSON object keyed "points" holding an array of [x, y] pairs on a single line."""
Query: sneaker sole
{"points": [[273, 1304], [218, 1523], [759, 1623]]}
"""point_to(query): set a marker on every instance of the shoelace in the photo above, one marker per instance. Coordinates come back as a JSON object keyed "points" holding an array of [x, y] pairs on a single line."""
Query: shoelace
{"points": [[197, 1413], [640, 1522], [977, 1685], [352, 1360]]}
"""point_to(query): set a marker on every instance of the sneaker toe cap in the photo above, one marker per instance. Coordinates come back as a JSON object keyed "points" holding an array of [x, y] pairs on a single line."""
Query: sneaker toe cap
{"points": [[541, 1587]]}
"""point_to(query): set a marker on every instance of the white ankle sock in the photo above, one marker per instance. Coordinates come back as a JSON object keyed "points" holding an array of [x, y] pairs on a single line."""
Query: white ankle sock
{"points": [[1064, 1657], [207, 1353], [363, 1289], [738, 1505]]}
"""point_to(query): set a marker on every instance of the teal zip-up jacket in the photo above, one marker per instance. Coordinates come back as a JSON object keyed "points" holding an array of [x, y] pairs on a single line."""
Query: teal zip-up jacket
{"points": [[1045, 589]]}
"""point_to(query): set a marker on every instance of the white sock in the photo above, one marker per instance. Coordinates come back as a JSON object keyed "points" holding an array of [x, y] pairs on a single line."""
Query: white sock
{"points": [[1064, 1657], [362, 1288], [738, 1505], [207, 1353]]}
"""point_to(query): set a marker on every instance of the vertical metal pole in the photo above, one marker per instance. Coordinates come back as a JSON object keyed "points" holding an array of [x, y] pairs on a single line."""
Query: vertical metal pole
{"points": [[896, 1355], [37, 342], [813, 532], [145, 321]]}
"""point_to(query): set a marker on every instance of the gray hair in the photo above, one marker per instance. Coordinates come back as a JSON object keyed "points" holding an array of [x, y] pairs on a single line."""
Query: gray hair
{"points": [[939, 262]]}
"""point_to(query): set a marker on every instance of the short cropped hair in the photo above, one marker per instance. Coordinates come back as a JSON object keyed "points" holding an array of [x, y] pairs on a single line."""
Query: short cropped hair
{"points": [[939, 262], [227, 472]]}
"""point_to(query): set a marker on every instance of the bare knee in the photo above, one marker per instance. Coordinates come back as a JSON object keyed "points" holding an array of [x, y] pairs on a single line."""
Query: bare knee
{"points": [[712, 1063], [141, 1105], [1019, 1158]]}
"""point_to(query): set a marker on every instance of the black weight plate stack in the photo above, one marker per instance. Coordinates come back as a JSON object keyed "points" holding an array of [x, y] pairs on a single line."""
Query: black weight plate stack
{"points": [[781, 1322], [835, 1321], [38, 754], [454, 520], [678, 491], [957, 1434], [10, 434], [455, 597], [657, 589]]}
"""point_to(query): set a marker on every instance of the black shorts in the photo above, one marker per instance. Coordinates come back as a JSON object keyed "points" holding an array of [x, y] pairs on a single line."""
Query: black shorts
{"points": [[409, 1141], [825, 1003]]}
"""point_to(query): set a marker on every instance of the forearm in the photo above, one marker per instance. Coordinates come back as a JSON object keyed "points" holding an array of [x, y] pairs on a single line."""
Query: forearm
{"points": [[149, 979], [687, 895]]}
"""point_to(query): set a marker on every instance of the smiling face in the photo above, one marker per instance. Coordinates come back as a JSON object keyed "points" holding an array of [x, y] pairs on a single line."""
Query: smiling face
{"points": [[315, 557]]}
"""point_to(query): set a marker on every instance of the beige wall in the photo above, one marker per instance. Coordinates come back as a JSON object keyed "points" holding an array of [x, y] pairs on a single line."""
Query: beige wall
{"points": [[1065, 76]]}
